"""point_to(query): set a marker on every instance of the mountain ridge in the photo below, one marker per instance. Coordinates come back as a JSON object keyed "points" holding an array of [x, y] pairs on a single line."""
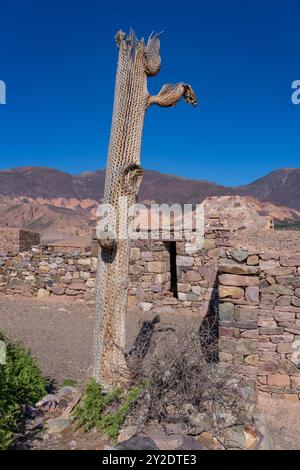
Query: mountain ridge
{"points": [[56, 202]]}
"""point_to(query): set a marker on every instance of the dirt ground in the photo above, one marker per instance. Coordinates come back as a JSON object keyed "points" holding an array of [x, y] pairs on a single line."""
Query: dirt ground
{"points": [[284, 422], [60, 337], [58, 333]]}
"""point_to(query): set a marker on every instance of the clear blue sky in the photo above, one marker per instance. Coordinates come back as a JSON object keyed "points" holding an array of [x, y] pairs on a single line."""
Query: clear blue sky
{"points": [[58, 59]]}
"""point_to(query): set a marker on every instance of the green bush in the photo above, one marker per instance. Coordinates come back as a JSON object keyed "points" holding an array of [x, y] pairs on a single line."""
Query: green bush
{"points": [[95, 409], [20, 382]]}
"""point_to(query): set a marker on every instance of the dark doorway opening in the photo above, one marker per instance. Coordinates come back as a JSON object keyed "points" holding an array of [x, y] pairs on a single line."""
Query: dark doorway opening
{"points": [[173, 269]]}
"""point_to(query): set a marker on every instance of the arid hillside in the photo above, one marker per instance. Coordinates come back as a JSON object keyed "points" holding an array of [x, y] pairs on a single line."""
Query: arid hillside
{"points": [[60, 205]]}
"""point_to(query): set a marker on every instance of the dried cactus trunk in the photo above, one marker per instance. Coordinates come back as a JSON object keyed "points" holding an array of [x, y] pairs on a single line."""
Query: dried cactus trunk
{"points": [[137, 60]]}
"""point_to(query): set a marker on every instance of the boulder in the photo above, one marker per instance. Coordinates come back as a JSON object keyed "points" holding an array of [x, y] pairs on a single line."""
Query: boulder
{"points": [[137, 443]]}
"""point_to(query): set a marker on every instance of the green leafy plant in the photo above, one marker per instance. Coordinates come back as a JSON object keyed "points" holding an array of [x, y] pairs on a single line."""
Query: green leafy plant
{"points": [[88, 413], [105, 411], [69, 382], [20, 382], [112, 422]]}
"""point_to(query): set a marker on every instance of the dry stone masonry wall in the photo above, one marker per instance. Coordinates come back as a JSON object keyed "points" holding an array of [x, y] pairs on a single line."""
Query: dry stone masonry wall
{"points": [[16, 240], [259, 313], [256, 296]]}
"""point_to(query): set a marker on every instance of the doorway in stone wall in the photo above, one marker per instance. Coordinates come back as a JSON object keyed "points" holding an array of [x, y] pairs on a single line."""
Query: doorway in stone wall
{"points": [[172, 249]]}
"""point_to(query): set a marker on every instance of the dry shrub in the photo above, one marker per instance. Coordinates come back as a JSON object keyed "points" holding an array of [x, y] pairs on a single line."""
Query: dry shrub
{"points": [[182, 377]]}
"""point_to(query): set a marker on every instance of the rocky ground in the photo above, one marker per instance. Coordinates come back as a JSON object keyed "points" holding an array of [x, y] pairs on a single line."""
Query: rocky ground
{"points": [[272, 241], [60, 336]]}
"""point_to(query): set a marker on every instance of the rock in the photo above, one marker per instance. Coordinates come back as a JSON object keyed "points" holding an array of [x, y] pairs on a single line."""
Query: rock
{"points": [[189, 443], [84, 261], [208, 440], [182, 296], [252, 260], [230, 267], [137, 443], [71, 292], [284, 301], [58, 290], [48, 403], [72, 444], [252, 293], [296, 302], [156, 266], [226, 311], [209, 273], [67, 392], [295, 356], [238, 280], [196, 422], [127, 432], [290, 260], [57, 425], [270, 264], [295, 383], [184, 287], [277, 289], [227, 345], [183, 261], [91, 282], [44, 269], [234, 437], [192, 297], [280, 271], [208, 243], [246, 314], [252, 360], [146, 306], [266, 322], [284, 316], [297, 292], [192, 276], [231, 291], [77, 286], [284, 348], [68, 276], [262, 429], [291, 281], [239, 255], [191, 248], [276, 331], [288, 368], [245, 347], [284, 338], [279, 380], [43, 294]]}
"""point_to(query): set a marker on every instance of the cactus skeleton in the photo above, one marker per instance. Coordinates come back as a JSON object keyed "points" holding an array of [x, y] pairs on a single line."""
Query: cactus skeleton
{"points": [[137, 60]]}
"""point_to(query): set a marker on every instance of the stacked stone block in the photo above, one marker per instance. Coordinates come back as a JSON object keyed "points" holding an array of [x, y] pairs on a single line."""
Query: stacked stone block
{"points": [[14, 240], [42, 273], [259, 327]]}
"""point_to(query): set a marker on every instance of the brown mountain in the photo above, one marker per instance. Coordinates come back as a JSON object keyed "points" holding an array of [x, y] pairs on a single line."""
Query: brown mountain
{"points": [[60, 204], [281, 187]]}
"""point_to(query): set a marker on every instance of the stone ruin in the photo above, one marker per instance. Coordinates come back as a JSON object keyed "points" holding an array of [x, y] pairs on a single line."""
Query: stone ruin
{"points": [[252, 295], [15, 240]]}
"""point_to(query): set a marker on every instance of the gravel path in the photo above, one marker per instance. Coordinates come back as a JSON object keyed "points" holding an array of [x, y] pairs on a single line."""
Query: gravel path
{"points": [[58, 333]]}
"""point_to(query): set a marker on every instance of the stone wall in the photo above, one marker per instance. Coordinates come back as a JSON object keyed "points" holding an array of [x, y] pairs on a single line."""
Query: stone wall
{"points": [[14, 240], [256, 294], [41, 272], [259, 313]]}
